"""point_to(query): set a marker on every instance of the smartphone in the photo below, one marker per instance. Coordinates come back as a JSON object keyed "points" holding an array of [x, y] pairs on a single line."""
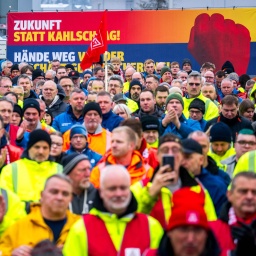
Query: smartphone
{"points": [[167, 159]]}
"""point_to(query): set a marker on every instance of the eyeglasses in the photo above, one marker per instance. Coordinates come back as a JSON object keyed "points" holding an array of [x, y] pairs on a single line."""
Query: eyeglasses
{"points": [[244, 142], [166, 150], [195, 112], [57, 144], [48, 79], [158, 70], [114, 85], [196, 84], [6, 87]]}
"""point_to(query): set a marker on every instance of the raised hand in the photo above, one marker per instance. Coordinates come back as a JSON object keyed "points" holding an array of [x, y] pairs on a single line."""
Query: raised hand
{"points": [[215, 39]]}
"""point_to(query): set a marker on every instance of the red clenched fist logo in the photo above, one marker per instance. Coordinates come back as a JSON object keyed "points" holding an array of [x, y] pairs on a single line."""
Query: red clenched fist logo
{"points": [[214, 39]]}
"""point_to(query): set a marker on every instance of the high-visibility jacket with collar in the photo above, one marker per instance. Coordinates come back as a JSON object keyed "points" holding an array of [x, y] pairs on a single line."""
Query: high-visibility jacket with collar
{"points": [[211, 110], [114, 229], [32, 229], [218, 159], [137, 169], [246, 163], [26, 177], [160, 206], [15, 209], [99, 141]]}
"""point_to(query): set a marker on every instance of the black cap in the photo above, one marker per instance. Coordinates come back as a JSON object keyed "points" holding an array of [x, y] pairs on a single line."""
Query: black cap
{"points": [[15, 67], [74, 74], [36, 73], [92, 106], [70, 66], [197, 104], [190, 146], [119, 97]]}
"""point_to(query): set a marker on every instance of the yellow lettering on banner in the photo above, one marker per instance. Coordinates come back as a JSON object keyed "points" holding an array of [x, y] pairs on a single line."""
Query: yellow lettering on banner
{"points": [[114, 35], [33, 36], [16, 36], [81, 55], [51, 36], [113, 54]]}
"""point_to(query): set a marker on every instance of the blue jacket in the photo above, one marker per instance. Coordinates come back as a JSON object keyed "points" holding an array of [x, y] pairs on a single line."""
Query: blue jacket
{"points": [[186, 127], [93, 156], [216, 188], [66, 120], [110, 121], [202, 122]]}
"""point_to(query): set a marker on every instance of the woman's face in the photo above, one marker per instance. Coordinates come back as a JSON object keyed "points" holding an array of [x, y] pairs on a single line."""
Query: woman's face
{"points": [[15, 119], [121, 113], [56, 147], [249, 114], [48, 119]]}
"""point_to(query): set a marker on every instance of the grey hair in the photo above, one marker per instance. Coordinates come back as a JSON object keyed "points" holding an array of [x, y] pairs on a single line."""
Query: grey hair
{"points": [[114, 168], [60, 176], [124, 108]]}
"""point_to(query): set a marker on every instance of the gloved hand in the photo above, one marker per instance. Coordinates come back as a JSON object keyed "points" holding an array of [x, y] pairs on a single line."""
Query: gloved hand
{"points": [[217, 40], [246, 242]]}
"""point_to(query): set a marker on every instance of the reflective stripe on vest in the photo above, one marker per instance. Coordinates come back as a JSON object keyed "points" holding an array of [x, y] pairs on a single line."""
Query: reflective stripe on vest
{"points": [[251, 161], [136, 236], [5, 196], [15, 177]]}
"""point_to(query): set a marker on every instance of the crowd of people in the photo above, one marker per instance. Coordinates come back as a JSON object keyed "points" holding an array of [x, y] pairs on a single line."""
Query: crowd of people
{"points": [[159, 162]]}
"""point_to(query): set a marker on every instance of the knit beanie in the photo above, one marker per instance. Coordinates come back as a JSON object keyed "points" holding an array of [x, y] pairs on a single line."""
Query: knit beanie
{"points": [[78, 129], [36, 73], [15, 67], [188, 212], [149, 122], [70, 66], [197, 104], [220, 132], [18, 109], [135, 82], [69, 162], [87, 72], [92, 106], [38, 135], [175, 96], [186, 61], [228, 67], [165, 69], [31, 103]]}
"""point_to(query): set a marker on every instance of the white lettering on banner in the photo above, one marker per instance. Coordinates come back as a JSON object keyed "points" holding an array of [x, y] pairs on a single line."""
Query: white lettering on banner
{"points": [[26, 56], [64, 56], [37, 24]]}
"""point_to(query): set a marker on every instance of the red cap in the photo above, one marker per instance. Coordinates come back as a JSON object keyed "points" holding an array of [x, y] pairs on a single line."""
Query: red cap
{"points": [[188, 209]]}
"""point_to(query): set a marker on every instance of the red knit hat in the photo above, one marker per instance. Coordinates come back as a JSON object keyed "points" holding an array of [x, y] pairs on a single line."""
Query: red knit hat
{"points": [[188, 209]]}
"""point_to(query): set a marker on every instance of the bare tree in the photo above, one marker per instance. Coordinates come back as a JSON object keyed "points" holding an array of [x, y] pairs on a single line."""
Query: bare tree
{"points": [[153, 4]]}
